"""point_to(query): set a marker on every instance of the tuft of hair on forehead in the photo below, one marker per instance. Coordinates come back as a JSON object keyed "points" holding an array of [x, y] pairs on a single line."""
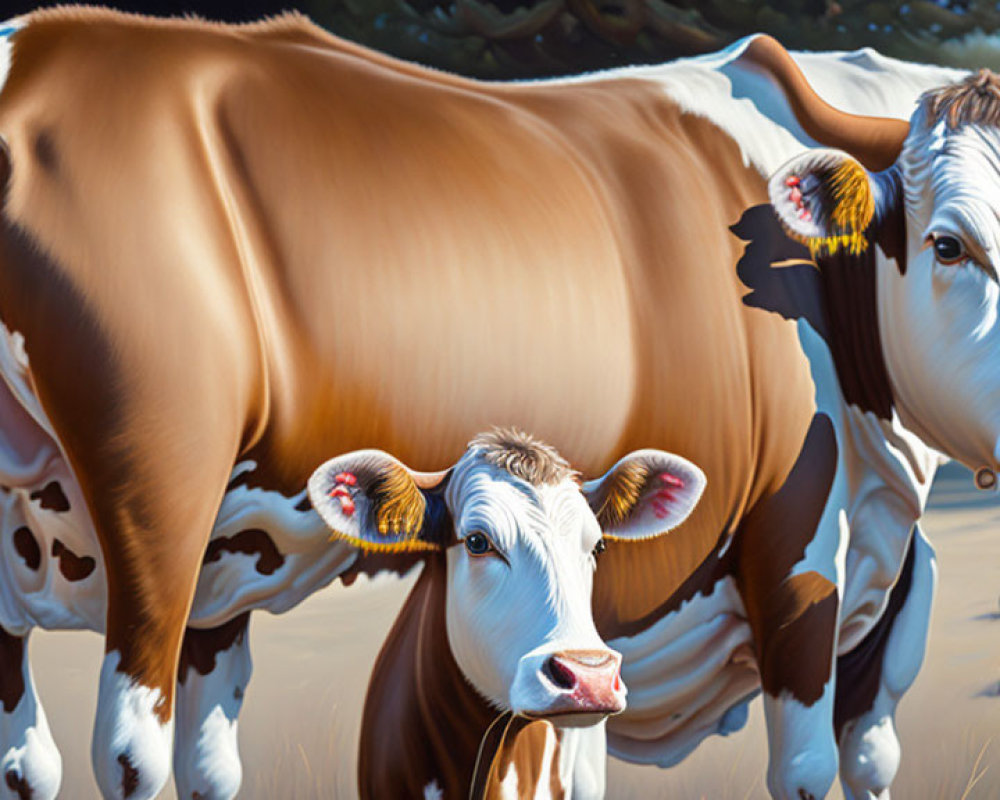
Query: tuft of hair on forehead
{"points": [[523, 456], [975, 100]]}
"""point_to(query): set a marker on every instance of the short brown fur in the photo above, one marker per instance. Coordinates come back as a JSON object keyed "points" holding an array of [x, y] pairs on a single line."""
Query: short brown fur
{"points": [[523, 456], [973, 101]]}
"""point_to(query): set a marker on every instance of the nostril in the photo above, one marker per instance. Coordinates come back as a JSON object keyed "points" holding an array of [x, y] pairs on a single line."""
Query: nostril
{"points": [[561, 675]]}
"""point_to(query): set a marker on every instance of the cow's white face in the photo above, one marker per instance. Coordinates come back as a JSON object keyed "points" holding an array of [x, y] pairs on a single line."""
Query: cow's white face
{"points": [[521, 553], [937, 318]]}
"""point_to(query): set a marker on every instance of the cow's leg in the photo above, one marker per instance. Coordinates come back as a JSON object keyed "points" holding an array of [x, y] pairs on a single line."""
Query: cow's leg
{"points": [[796, 666], [30, 762], [153, 503], [876, 674], [214, 671], [145, 355], [152, 568], [790, 544]]}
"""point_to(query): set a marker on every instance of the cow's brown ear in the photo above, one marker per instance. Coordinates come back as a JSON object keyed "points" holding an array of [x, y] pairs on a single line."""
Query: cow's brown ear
{"points": [[826, 200], [375, 502], [647, 493]]}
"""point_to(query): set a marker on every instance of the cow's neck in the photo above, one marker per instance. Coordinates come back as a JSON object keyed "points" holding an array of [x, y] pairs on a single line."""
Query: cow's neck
{"points": [[849, 299], [422, 721], [520, 758], [889, 470], [425, 726]]}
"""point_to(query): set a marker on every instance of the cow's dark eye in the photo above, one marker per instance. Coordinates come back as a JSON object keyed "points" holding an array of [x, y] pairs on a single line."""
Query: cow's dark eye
{"points": [[477, 544], [948, 249], [599, 548]]}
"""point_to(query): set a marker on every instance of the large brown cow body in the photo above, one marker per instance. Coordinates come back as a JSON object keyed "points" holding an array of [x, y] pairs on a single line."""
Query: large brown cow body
{"points": [[227, 253]]}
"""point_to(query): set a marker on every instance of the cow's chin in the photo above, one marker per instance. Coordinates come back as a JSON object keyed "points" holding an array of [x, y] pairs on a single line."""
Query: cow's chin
{"points": [[955, 430], [575, 718], [985, 465], [987, 476]]}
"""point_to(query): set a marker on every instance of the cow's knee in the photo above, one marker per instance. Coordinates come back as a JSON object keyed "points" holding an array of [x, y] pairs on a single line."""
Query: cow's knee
{"points": [[29, 761], [215, 668], [808, 776], [132, 735], [803, 756], [869, 757]]}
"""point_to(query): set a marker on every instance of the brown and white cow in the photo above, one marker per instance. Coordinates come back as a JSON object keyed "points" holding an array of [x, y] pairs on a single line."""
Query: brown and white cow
{"points": [[497, 634], [226, 252]]}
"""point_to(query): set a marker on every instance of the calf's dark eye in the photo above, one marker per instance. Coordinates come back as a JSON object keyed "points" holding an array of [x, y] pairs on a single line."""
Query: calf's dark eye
{"points": [[477, 544], [600, 547], [948, 249]]}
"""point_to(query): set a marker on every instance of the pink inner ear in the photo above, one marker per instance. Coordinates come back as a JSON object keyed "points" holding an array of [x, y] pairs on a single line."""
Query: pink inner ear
{"points": [[795, 198], [343, 494], [671, 480], [666, 495]]}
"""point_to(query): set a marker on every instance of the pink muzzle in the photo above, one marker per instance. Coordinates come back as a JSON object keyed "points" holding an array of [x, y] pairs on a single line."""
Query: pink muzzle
{"points": [[586, 682]]}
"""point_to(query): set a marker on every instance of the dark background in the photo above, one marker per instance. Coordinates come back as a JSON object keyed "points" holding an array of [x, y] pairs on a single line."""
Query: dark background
{"points": [[525, 38]]}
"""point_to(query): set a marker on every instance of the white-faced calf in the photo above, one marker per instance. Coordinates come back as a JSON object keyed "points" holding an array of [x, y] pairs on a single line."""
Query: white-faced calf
{"points": [[510, 540]]}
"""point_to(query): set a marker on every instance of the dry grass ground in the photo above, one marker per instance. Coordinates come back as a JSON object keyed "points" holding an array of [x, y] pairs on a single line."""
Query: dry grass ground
{"points": [[299, 726]]}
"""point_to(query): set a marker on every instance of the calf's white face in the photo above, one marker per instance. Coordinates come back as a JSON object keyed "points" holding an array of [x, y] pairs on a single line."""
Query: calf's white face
{"points": [[521, 541], [938, 311]]}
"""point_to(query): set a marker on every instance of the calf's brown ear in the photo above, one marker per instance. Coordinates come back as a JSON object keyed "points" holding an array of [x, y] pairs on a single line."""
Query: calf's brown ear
{"points": [[646, 494], [375, 502]]}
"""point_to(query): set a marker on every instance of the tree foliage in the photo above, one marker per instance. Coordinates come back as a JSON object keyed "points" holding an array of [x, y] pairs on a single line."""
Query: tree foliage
{"points": [[530, 38], [525, 38]]}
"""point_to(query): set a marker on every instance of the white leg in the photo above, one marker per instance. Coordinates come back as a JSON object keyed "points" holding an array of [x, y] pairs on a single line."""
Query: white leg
{"points": [[803, 751], [792, 576], [131, 746], [869, 746], [214, 672], [30, 764]]}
